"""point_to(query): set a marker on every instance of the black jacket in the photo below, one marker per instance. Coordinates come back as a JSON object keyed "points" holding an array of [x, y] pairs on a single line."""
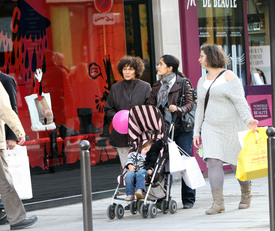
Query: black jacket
{"points": [[152, 155], [10, 86], [123, 96]]}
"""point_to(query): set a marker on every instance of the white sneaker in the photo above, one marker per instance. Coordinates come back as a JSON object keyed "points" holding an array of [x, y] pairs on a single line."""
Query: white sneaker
{"points": [[130, 198]]}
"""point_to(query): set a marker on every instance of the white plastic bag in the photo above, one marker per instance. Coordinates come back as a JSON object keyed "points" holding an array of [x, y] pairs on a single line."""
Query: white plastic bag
{"points": [[176, 163], [19, 168], [36, 125], [192, 175], [241, 136]]}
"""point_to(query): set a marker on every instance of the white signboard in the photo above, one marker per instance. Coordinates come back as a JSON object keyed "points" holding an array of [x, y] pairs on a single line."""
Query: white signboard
{"points": [[106, 18], [260, 58]]}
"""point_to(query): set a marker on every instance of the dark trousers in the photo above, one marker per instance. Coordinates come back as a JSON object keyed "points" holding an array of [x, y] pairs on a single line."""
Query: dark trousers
{"points": [[184, 140]]}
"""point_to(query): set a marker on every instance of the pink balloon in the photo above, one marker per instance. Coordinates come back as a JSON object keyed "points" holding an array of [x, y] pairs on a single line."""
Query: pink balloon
{"points": [[120, 121]]}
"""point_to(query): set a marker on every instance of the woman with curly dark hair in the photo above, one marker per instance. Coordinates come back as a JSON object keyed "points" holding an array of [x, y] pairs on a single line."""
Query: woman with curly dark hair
{"points": [[123, 96]]}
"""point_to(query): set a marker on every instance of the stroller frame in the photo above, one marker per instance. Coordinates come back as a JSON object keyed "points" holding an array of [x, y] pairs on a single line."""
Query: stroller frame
{"points": [[145, 206]]}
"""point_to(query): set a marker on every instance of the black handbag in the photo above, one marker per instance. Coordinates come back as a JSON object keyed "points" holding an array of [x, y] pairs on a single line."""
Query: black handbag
{"points": [[186, 122]]}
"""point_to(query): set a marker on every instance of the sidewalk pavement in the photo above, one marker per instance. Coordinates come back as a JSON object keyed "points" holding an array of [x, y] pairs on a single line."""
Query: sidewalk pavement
{"points": [[256, 218]]}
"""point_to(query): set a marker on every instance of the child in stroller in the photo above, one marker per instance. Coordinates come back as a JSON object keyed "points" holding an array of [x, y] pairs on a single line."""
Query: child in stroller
{"points": [[146, 123], [139, 164]]}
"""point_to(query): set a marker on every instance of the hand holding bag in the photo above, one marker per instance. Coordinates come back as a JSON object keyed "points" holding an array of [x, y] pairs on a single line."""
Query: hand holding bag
{"points": [[252, 160], [19, 169]]}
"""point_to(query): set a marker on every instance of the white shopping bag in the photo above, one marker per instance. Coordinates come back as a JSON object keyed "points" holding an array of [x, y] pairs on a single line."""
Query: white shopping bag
{"points": [[192, 175], [241, 135], [36, 124], [19, 168], [176, 163]]}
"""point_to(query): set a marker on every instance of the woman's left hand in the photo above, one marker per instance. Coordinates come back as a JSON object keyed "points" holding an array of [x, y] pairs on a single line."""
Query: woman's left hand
{"points": [[173, 108], [253, 124]]}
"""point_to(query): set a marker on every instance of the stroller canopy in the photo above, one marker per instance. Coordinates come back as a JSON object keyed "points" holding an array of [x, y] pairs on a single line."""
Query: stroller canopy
{"points": [[145, 123]]}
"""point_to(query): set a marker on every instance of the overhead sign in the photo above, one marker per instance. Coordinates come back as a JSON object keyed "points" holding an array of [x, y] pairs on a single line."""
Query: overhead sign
{"points": [[220, 3]]}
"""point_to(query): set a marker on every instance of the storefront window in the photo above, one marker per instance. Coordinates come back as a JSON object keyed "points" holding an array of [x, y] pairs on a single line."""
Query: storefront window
{"points": [[136, 29], [63, 56], [259, 41], [76, 45], [221, 22]]}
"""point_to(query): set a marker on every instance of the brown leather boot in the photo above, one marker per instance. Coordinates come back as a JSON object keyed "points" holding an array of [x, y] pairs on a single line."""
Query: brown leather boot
{"points": [[218, 202], [246, 196]]}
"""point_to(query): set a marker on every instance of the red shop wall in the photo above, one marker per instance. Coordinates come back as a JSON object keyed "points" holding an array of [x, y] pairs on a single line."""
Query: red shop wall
{"points": [[77, 52]]}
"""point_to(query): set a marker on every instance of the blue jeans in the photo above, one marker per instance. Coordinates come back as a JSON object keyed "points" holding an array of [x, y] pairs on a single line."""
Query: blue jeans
{"points": [[132, 178], [184, 140]]}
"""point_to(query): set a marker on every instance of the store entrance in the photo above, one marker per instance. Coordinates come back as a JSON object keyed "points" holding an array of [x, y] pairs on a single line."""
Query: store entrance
{"points": [[139, 34]]}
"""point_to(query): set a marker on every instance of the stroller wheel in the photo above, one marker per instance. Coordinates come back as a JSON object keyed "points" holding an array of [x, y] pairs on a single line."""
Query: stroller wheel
{"points": [[111, 212], [119, 211], [143, 210], [172, 206], [153, 210], [139, 203], [133, 207], [164, 206]]}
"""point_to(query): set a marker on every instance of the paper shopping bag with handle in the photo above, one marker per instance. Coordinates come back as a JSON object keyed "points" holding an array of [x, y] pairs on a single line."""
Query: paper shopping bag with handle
{"points": [[252, 160], [192, 175], [176, 164], [19, 169]]}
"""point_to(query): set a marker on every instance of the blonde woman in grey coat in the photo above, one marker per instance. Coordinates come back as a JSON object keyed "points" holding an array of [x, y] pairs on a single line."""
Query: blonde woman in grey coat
{"points": [[217, 126]]}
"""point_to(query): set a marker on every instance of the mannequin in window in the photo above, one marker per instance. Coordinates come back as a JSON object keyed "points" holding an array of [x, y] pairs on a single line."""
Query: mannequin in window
{"points": [[262, 76]]}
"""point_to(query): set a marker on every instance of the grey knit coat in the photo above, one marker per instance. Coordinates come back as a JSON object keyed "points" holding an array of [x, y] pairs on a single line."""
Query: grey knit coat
{"points": [[227, 113]]}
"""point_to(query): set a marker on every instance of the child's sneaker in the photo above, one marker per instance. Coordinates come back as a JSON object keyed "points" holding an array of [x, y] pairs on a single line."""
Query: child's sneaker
{"points": [[139, 193], [129, 198]]}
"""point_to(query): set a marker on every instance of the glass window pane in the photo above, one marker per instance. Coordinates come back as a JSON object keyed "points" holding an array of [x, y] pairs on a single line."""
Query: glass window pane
{"points": [[221, 22]]}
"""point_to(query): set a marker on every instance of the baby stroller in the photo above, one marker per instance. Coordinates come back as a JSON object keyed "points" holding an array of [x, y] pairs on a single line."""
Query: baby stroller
{"points": [[146, 123]]}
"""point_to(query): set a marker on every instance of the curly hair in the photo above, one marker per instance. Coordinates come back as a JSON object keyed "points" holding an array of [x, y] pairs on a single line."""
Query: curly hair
{"points": [[131, 61], [215, 56]]}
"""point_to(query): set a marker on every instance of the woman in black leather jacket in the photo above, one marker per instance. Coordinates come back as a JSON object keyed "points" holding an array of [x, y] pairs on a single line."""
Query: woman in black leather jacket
{"points": [[165, 95]]}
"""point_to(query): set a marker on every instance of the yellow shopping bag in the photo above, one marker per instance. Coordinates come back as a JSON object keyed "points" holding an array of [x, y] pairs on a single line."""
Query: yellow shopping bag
{"points": [[252, 160]]}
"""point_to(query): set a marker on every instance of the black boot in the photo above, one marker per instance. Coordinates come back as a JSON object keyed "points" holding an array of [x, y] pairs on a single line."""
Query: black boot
{"points": [[85, 119], [106, 127], [64, 131]]}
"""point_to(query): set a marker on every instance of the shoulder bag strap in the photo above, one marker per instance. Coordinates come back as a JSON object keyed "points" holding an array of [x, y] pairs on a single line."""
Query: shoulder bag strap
{"points": [[207, 93], [180, 100], [182, 92]]}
